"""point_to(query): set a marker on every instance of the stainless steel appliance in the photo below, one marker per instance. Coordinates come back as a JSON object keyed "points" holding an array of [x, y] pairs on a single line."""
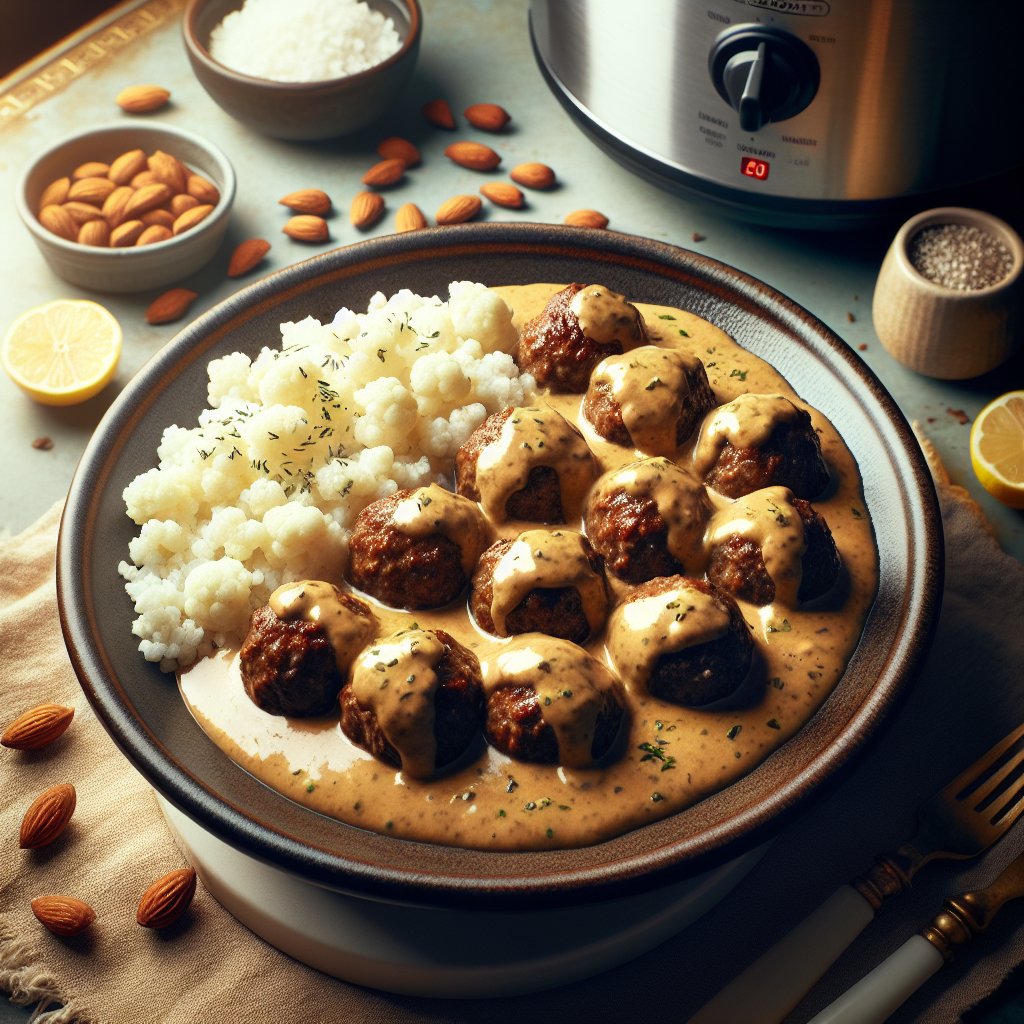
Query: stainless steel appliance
{"points": [[800, 112]]}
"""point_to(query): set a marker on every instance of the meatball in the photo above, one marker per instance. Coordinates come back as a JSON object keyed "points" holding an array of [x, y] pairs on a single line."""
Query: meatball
{"points": [[550, 702], [543, 582], [650, 398], [415, 700], [771, 546], [682, 640], [759, 441], [416, 548], [579, 326], [299, 648], [527, 463], [647, 519]]}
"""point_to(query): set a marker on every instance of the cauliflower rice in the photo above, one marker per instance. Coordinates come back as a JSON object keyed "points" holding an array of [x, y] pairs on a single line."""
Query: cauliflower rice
{"points": [[294, 443]]}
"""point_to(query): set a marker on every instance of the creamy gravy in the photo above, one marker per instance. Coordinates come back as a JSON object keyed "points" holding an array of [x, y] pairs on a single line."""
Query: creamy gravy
{"points": [[671, 756], [434, 509], [606, 316]]}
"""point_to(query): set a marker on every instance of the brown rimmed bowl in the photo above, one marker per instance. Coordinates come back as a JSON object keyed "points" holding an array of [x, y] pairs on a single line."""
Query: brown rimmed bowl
{"points": [[141, 709], [303, 110]]}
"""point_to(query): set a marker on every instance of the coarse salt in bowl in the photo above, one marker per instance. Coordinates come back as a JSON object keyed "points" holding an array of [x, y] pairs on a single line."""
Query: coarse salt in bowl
{"points": [[311, 69]]}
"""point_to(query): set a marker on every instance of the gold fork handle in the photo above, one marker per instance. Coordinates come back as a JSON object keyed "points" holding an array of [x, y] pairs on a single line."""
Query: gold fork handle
{"points": [[773, 984]]}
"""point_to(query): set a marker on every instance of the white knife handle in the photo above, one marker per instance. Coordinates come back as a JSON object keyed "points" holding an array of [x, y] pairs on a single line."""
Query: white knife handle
{"points": [[773, 984], [877, 995]]}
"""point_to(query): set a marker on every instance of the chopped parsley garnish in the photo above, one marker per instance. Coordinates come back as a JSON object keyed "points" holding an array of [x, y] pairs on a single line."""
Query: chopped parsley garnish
{"points": [[654, 752], [733, 732]]}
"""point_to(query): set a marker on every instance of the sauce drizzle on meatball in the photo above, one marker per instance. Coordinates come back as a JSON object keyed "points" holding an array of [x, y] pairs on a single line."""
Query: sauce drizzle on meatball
{"points": [[395, 679], [745, 422], [534, 436], [433, 510], [605, 316], [651, 386], [347, 628], [548, 560]]}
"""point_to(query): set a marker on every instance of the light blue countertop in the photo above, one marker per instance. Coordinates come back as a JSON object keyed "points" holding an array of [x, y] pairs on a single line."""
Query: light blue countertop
{"points": [[831, 274]]}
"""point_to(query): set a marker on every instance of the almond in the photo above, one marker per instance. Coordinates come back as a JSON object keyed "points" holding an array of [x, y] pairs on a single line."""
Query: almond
{"points": [[149, 197], [167, 899], [409, 218], [56, 219], [142, 179], [587, 219], [203, 190], [488, 117], [439, 114], [367, 208], [91, 169], [307, 200], [533, 175], [247, 255], [114, 205], [90, 190], [154, 233], [126, 166], [394, 148], [384, 173], [458, 209], [142, 99], [47, 816], [81, 212], [63, 915], [306, 228], [126, 233], [501, 193], [170, 306], [55, 193], [94, 232], [37, 727], [190, 218], [168, 169], [474, 155], [161, 217], [182, 202]]}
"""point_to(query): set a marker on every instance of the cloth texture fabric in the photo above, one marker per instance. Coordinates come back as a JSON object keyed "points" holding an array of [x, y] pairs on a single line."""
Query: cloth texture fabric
{"points": [[209, 967]]}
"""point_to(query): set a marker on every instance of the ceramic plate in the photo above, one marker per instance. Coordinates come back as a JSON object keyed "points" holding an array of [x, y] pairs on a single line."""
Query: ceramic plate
{"points": [[140, 706]]}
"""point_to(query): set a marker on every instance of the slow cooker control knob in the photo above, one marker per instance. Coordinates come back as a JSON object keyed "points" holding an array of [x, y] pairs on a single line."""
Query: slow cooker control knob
{"points": [[763, 73]]}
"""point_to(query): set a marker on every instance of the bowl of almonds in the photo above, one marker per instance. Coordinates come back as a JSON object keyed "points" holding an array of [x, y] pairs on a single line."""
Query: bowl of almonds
{"points": [[125, 208]]}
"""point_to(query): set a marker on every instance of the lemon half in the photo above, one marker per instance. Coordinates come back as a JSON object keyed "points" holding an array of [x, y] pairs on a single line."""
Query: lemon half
{"points": [[997, 448], [63, 352]]}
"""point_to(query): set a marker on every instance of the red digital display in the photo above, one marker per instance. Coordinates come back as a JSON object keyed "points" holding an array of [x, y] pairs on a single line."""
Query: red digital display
{"points": [[751, 167]]}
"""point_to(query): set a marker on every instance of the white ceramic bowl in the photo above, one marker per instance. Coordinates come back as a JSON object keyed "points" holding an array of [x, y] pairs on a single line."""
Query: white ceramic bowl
{"points": [[136, 268]]}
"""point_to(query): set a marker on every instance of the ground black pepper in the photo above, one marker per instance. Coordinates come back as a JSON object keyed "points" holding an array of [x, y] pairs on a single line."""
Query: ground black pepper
{"points": [[960, 257]]}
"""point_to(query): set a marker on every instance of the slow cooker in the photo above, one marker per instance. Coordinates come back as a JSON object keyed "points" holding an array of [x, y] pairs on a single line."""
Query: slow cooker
{"points": [[807, 113]]}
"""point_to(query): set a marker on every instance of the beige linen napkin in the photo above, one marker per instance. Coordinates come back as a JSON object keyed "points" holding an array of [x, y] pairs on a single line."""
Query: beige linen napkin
{"points": [[210, 968]]}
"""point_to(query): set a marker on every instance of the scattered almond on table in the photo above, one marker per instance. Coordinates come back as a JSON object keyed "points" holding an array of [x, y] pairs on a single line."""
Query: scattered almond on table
{"points": [[409, 218], [501, 193], [142, 99], [385, 173], [39, 726], [587, 219], [367, 208], [439, 114], [170, 306], [47, 816], [63, 915], [473, 155], [308, 200], [533, 175], [458, 209], [247, 255], [488, 117], [306, 227], [164, 902], [395, 148]]}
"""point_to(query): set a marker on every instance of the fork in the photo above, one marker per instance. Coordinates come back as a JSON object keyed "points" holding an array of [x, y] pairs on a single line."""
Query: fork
{"points": [[962, 820]]}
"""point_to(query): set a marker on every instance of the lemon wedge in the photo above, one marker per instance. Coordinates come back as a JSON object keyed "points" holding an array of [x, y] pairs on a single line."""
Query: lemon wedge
{"points": [[997, 448], [63, 352]]}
